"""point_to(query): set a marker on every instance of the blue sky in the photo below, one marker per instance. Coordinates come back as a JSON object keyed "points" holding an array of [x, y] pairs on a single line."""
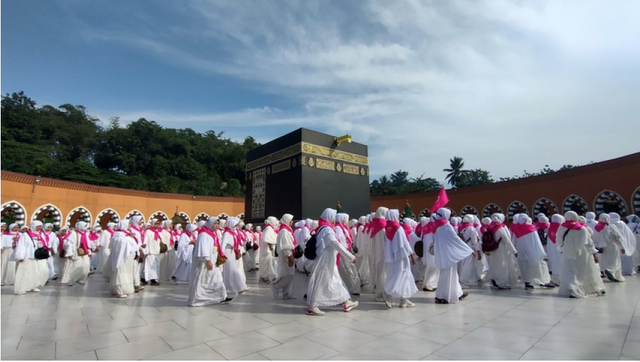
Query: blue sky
{"points": [[507, 85]]}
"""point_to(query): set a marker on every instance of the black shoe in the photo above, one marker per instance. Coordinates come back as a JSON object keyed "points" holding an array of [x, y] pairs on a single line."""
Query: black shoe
{"points": [[55, 277], [305, 297], [548, 285], [528, 286], [464, 295], [425, 289], [144, 282], [227, 300], [441, 301], [154, 283], [493, 283]]}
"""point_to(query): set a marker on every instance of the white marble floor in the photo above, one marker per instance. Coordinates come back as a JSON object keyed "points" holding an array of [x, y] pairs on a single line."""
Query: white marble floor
{"points": [[86, 323]]}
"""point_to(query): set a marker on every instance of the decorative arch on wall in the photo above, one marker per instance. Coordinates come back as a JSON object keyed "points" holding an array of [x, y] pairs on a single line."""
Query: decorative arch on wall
{"points": [[78, 213], [48, 209], [575, 203], [158, 215], [610, 201], [241, 216], [201, 216], [222, 216], [16, 209], [186, 217], [545, 206], [107, 215], [425, 213], [134, 212], [491, 209], [635, 201], [517, 207], [468, 209]]}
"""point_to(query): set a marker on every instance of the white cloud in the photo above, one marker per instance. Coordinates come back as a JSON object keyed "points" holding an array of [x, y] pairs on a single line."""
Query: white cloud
{"points": [[507, 85]]}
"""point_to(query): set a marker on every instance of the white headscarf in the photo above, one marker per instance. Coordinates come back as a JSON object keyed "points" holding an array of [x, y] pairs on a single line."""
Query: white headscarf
{"points": [[486, 221], [135, 220], [308, 222], [112, 225], [232, 222], [123, 224], [34, 224], [286, 219], [82, 226], [393, 215], [191, 228], [443, 213], [381, 213], [341, 218], [329, 214], [271, 220], [210, 222]]}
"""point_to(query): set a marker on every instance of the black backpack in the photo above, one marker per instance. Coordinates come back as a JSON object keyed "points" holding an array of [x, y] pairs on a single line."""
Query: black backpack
{"points": [[419, 248], [310, 247], [543, 237]]}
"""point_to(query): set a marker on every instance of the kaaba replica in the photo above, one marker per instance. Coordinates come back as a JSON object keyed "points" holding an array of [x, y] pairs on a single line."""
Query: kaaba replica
{"points": [[304, 172]]}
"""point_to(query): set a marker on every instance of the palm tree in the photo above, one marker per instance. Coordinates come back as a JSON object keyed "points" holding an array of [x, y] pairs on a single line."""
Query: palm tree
{"points": [[455, 172]]}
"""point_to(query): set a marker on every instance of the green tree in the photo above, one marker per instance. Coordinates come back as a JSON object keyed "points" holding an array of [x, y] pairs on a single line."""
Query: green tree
{"points": [[476, 177], [456, 173]]}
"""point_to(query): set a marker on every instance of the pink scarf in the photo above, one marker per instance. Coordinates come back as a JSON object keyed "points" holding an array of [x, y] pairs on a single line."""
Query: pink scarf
{"points": [[494, 226], [572, 225], [600, 225], [110, 233], [236, 240], [156, 233], [347, 235], [84, 241], [288, 228], [93, 236], [407, 230], [553, 230], [376, 225], [438, 223], [213, 235], [541, 225], [322, 222], [464, 225], [524, 229], [134, 235], [62, 240]]}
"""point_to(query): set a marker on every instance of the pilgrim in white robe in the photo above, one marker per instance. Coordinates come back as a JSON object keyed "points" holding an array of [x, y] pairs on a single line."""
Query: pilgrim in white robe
{"points": [[123, 251], [250, 256], [348, 271], [268, 263], [136, 232], [233, 281], [502, 266], [168, 259], [634, 226], [104, 243], [363, 243], [627, 264], [285, 272], [9, 265], [152, 239], [206, 282], [379, 270], [95, 248], [448, 251], [555, 256], [27, 277], [58, 261], [608, 238], [326, 287], [531, 254], [469, 266], [76, 268], [400, 282], [184, 257], [50, 240], [580, 277], [301, 234]]}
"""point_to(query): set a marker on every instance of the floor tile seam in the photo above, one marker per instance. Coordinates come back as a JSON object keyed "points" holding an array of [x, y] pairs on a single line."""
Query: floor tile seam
{"points": [[281, 344], [444, 344], [626, 337]]}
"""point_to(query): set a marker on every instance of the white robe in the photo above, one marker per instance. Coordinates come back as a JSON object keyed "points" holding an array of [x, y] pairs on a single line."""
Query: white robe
{"points": [[206, 286], [379, 270], [400, 282], [28, 276], [285, 273], [53, 249], [448, 251], [326, 288], [635, 229], [629, 244], [168, 259], [471, 267], [250, 257], [531, 255], [301, 235], [610, 240], [348, 271], [8, 265], [502, 266], [184, 258], [555, 260], [233, 280], [123, 250], [363, 242], [77, 268], [105, 251], [431, 272], [152, 259], [580, 277], [268, 263]]}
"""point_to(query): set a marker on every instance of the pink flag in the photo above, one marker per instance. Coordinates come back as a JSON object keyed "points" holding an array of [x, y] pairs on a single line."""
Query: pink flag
{"points": [[442, 200]]}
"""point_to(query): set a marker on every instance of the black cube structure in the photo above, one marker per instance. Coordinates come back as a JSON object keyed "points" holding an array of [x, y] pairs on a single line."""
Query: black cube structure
{"points": [[303, 173]]}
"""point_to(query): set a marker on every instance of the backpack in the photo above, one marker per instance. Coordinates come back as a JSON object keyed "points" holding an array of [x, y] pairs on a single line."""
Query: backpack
{"points": [[310, 247], [489, 243], [419, 248], [543, 237]]}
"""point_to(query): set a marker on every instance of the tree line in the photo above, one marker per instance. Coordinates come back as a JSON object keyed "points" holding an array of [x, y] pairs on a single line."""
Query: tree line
{"points": [[67, 143], [399, 182]]}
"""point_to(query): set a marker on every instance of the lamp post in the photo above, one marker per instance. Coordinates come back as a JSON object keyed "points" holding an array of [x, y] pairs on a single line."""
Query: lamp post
{"points": [[35, 182]]}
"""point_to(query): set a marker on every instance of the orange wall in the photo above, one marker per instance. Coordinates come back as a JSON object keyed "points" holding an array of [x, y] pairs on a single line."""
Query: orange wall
{"points": [[621, 175], [67, 196]]}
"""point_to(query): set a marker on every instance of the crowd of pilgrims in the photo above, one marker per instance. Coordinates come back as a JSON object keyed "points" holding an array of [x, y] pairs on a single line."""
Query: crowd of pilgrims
{"points": [[442, 253]]}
